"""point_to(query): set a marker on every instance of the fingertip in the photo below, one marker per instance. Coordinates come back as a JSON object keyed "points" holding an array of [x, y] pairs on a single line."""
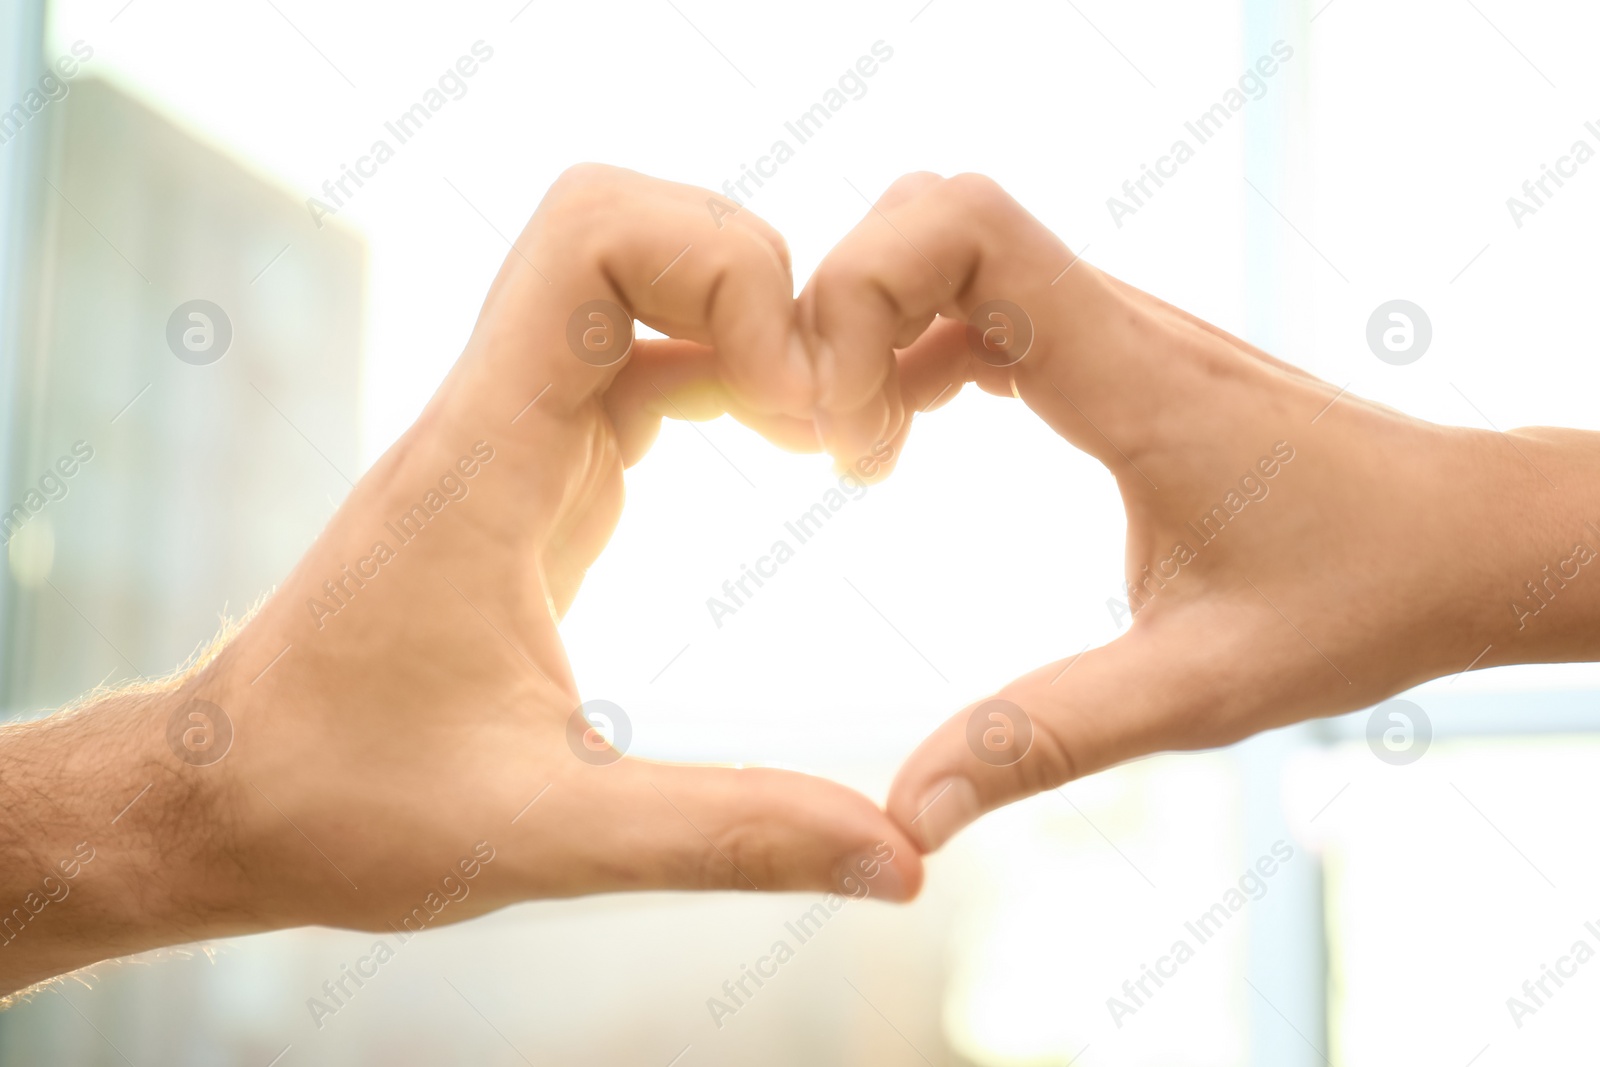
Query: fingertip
{"points": [[943, 808], [768, 829], [875, 858], [636, 437], [882, 871], [982, 758], [853, 436], [880, 860]]}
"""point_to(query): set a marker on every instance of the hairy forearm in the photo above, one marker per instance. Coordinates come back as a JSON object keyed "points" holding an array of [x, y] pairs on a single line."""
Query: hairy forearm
{"points": [[109, 842]]}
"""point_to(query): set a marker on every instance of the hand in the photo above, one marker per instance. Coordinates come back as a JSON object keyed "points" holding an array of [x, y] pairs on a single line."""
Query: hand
{"points": [[399, 703], [1292, 550]]}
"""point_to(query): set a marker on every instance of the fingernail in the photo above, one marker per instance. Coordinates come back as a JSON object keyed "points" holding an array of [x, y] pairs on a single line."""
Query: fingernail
{"points": [[946, 807], [868, 874]]}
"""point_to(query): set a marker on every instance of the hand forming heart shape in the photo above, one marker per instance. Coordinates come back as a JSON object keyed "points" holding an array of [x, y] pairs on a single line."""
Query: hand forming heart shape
{"points": [[404, 694]]}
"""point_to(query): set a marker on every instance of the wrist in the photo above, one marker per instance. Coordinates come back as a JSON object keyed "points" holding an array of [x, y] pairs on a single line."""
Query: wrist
{"points": [[1548, 603], [1513, 574]]}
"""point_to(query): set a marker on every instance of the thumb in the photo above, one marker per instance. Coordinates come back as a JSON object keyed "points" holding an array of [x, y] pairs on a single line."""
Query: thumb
{"points": [[1063, 721], [759, 828]]}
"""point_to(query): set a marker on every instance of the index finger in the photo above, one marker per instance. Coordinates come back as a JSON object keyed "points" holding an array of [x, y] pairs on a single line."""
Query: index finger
{"points": [[1035, 319], [608, 246]]}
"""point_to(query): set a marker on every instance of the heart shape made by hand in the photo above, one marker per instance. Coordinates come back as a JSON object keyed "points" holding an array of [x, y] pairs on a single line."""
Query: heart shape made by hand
{"points": [[404, 696]]}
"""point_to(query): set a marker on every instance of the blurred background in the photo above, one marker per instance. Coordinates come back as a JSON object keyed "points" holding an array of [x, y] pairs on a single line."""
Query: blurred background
{"points": [[154, 153]]}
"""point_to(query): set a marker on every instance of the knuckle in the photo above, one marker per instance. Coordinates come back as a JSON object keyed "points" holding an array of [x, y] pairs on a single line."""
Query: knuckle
{"points": [[1051, 763], [584, 178], [981, 196], [579, 209], [910, 185], [847, 276], [1052, 758], [745, 254], [733, 859], [780, 248], [974, 187]]}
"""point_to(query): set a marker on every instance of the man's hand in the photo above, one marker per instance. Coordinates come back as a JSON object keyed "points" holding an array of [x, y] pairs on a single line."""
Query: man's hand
{"points": [[391, 742], [1292, 550]]}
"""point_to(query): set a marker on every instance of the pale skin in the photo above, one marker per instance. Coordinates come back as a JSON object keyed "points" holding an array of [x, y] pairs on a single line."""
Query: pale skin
{"points": [[397, 734]]}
